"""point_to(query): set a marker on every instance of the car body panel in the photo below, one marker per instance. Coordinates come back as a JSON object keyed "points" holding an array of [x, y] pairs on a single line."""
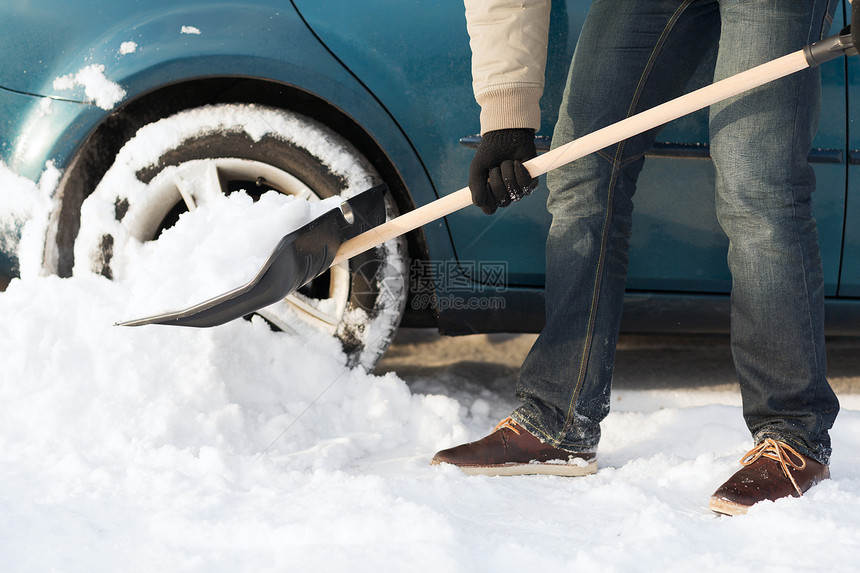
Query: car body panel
{"points": [[262, 40]]}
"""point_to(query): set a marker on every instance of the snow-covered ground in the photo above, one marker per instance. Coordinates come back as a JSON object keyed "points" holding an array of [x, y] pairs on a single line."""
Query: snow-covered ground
{"points": [[242, 449]]}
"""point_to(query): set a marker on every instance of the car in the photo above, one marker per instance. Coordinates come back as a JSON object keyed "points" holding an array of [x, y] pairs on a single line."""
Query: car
{"points": [[352, 94]]}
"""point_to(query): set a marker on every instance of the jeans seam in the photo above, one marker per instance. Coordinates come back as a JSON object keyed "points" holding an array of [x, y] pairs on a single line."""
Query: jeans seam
{"points": [[826, 22], [819, 418], [803, 258], [601, 261], [804, 269], [621, 164], [658, 46]]}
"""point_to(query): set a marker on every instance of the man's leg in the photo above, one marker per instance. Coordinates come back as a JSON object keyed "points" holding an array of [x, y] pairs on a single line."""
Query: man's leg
{"points": [[631, 55], [760, 142]]}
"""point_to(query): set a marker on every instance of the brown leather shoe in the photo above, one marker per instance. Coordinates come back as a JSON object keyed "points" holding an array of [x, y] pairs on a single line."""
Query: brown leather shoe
{"points": [[772, 470], [510, 450]]}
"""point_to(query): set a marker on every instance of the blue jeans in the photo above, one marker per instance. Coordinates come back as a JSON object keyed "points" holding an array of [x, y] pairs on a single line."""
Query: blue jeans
{"points": [[632, 55]]}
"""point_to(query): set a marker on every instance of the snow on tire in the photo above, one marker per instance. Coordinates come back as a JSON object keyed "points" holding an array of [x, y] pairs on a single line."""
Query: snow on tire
{"points": [[175, 164]]}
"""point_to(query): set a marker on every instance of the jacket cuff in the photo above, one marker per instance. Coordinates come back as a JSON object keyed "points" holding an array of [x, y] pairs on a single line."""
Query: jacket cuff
{"points": [[510, 107]]}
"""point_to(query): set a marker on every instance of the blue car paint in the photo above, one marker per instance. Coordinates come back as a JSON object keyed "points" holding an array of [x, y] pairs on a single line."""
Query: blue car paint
{"points": [[250, 41]]}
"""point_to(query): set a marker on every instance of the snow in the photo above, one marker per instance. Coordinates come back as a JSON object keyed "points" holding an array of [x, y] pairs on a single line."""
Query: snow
{"points": [[25, 212], [256, 121], [97, 87], [251, 229], [242, 449]]}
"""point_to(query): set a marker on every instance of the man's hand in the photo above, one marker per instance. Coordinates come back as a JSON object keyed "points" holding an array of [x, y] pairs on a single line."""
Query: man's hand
{"points": [[497, 176]]}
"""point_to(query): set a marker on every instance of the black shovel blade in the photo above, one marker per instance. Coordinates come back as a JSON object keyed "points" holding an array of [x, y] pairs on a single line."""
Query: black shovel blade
{"points": [[299, 257]]}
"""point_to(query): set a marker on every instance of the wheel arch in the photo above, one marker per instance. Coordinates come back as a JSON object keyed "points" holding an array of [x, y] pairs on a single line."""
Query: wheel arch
{"points": [[96, 154]]}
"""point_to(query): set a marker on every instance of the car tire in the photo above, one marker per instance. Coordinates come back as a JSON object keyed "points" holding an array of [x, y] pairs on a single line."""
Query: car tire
{"points": [[257, 149]]}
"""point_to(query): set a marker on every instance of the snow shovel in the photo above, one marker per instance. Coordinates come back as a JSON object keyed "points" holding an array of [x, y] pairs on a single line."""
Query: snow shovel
{"points": [[341, 234]]}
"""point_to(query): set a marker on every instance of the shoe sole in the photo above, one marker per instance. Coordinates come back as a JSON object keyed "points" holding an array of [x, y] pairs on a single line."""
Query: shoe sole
{"points": [[726, 507], [566, 470]]}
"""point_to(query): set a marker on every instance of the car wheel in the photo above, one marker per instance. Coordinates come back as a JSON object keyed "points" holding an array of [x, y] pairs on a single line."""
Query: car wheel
{"points": [[224, 148]]}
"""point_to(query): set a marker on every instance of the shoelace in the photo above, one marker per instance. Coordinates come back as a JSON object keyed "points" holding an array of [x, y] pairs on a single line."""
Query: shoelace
{"points": [[509, 424], [780, 452]]}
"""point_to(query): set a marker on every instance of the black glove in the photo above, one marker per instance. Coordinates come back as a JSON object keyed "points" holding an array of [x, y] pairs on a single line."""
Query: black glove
{"points": [[497, 176]]}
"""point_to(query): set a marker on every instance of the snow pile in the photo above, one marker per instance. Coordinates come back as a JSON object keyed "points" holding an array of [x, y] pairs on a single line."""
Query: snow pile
{"points": [[123, 433], [221, 247], [97, 88], [25, 210], [243, 449]]}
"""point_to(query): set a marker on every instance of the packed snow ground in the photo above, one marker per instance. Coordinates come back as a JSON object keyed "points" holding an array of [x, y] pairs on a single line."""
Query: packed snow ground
{"points": [[242, 449]]}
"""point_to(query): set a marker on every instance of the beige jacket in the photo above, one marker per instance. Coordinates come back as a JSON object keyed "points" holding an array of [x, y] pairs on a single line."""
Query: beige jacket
{"points": [[509, 45]]}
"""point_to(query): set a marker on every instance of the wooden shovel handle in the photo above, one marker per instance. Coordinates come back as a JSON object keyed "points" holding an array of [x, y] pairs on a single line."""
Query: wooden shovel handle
{"points": [[590, 143]]}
